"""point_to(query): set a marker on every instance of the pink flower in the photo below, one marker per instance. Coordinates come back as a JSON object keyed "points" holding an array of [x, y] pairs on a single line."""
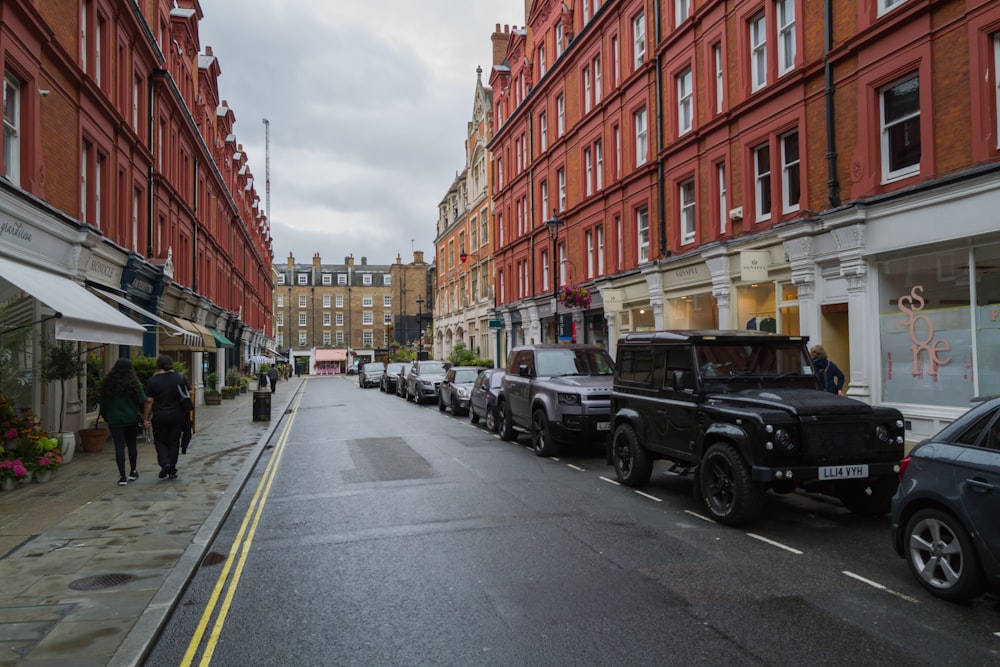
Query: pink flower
{"points": [[10, 434], [19, 469], [43, 461]]}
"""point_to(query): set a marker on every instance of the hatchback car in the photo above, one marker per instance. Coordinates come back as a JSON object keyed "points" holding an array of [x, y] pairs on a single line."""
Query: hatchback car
{"points": [[390, 377], [483, 398], [456, 387], [944, 515]]}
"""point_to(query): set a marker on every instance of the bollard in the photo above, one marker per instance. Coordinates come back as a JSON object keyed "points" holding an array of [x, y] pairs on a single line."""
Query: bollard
{"points": [[262, 406]]}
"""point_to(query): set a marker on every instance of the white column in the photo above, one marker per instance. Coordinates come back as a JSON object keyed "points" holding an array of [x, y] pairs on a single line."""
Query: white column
{"points": [[863, 332]]}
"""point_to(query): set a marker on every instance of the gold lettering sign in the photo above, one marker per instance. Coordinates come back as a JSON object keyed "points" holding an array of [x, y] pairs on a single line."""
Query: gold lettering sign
{"points": [[754, 265]]}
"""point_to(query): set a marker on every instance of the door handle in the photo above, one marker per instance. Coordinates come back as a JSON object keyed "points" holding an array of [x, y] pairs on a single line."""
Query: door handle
{"points": [[979, 485]]}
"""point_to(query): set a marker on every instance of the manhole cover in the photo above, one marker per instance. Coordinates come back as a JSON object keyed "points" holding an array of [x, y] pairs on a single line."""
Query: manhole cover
{"points": [[100, 581]]}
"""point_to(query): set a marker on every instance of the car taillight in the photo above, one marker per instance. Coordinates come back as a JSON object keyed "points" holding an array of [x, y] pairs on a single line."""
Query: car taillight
{"points": [[902, 466]]}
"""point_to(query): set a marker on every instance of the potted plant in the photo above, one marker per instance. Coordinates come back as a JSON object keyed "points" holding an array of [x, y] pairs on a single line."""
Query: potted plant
{"points": [[12, 471], [46, 458], [212, 395], [60, 363], [574, 297]]}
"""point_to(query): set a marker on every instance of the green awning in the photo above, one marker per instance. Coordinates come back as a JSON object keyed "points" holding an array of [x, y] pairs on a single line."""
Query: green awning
{"points": [[222, 341]]}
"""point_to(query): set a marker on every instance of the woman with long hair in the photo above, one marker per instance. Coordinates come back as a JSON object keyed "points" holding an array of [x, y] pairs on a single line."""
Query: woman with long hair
{"points": [[122, 401]]}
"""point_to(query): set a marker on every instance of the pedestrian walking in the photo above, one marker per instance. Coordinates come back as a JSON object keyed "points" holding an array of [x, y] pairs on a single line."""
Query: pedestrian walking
{"points": [[122, 401], [272, 375], [262, 379], [163, 411], [833, 376]]}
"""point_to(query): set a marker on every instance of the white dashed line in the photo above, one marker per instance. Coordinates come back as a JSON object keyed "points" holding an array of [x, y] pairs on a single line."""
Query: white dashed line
{"points": [[646, 495], [876, 585], [775, 544], [700, 516], [610, 481], [575, 467]]}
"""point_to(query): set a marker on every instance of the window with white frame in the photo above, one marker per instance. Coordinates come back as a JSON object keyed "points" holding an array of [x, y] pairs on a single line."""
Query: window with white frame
{"points": [[719, 86], [12, 128], [280, 319], [339, 300], [302, 339], [500, 230], [615, 62], [326, 319], [900, 119], [685, 103], [367, 338], [562, 265], [136, 196], [302, 278], [327, 300], [758, 52], [600, 250], [682, 10], [587, 90], [367, 317], [366, 279], [281, 278], [720, 189], [327, 279], [617, 131], [339, 337], [596, 66], [588, 171], [589, 240], [790, 172], [499, 172], [638, 40], [786, 35], [543, 196], [386, 318], [366, 301], [543, 132], [341, 278], [541, 61], [762, 181], [280, 340], [598, 165], [387, 280], [639, 121], [339, 319], [279, 301], [559, 39], [686, 196], [386, 301], [560, 115], [302, 319], [546, 272], [302, 301], [642, 233], [561, 177], [887, 5], [326, 338], [619, 244]]}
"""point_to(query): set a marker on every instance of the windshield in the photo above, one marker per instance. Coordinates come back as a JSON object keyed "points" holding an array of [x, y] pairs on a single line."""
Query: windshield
{"points": [[373, 367], [573, 362], [465, 376], [753, 359], [432, 368]]}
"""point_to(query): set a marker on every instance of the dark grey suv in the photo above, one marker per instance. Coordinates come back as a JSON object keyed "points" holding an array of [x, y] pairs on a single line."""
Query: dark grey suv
{"points": [[424, 379], [744, 410]]}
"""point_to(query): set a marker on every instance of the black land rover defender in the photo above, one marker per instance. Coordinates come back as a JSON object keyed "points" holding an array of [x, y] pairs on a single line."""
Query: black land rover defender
{"points": [[745, 410]]}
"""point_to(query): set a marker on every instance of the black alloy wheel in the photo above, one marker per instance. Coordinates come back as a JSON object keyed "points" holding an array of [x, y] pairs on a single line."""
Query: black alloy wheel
{"points": [[541, 436], [728, 493], [633, 464]]}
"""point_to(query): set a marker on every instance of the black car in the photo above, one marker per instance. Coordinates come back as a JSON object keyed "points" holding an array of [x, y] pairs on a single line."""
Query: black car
{"points": [[456, 387], [483, 399], [401, 378], [391, 376], [423, 380], [944, 515]]}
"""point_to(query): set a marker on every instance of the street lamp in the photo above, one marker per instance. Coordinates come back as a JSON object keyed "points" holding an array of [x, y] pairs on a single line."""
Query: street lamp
{"points": [[554, 223], [420, 331]]}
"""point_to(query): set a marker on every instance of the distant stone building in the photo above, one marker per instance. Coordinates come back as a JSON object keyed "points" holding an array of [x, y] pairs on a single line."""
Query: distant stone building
{"points": [[330, 316]]}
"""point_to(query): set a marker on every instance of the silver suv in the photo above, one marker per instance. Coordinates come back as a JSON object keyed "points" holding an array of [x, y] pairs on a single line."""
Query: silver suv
{"points": [[559, 394]]}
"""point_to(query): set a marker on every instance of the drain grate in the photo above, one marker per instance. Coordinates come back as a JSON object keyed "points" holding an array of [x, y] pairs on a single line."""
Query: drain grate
{"points": [[100, 581]]}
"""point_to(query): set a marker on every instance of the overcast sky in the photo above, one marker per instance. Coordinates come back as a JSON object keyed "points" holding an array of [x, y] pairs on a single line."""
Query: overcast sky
{"points": [[368, 104]]}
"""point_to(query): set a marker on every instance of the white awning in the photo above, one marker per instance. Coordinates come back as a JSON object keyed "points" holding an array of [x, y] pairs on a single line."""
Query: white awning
{"points": [[79, 314], [171, 329]]}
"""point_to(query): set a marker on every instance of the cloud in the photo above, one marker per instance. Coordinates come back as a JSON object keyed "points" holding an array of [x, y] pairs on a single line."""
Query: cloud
{"points": [[368, 105]]}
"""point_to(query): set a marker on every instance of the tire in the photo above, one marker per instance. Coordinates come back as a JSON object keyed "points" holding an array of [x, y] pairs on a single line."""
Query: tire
{"points": [[541, 436], [868, 497], [473, 417], [491, 419], [504, 424], [942, 557], [728, 493], [633, 464]]}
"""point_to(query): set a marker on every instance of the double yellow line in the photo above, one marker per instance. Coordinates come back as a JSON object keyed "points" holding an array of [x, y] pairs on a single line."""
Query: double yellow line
{"points": [[244, 538]]}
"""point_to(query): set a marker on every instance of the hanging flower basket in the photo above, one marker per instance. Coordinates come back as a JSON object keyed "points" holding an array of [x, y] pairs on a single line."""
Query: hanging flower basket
{"points": [[574, 297]]}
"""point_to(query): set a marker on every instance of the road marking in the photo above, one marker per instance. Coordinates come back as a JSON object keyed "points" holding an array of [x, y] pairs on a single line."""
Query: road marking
{"points": [[700, 516], [576, 467], [646, 495], [610, 481], [775, 544], [241, 546], [875, 584]]}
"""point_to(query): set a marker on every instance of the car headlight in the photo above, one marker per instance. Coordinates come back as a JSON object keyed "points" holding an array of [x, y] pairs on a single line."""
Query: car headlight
{"points": [[882, 433], [424, 383], [779, 438], [569, 399], [462, 393]]}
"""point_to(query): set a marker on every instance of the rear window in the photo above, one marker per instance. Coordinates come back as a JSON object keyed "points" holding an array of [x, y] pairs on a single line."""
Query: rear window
{"points": [[465, 375]]}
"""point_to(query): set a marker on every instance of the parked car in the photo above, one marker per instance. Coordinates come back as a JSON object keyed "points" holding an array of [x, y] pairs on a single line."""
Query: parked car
{"points": [[456, 387], [370, 374], [404, 372], [423, 380], [745, 411], [558, 394], [944, 515], [483, 397], [387, 383]]}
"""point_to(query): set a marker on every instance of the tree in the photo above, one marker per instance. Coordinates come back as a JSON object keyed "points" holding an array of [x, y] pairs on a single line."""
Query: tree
{"points": [[61, 362]]}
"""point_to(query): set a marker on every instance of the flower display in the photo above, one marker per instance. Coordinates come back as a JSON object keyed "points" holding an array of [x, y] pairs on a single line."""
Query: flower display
{"points": [[12, 469], [46, 455], [574, 297]]}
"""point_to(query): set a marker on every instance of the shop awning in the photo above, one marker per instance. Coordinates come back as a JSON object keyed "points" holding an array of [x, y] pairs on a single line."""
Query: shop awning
{"points": [[222, 341], [331, 355], [171, 330], [79, 314], [201, 343]]}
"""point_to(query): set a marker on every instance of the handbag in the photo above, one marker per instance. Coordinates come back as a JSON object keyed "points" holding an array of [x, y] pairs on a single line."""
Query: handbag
{"points": [[187, 405]]}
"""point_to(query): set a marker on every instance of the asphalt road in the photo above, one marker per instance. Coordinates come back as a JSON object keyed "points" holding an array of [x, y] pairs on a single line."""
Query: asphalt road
{"points": [[378, 532]]}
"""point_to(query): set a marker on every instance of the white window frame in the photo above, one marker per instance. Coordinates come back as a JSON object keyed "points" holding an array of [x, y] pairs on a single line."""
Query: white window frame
{"points": [[641, 144], [302, 279], [367, 301], [341, 278], [587, 91], [996, 87], [366, 279], [541, 61], [339, 319], [543, 132], [302, 339], [642, 234], [596, 65], [280, 319], [720, 184], [562, 264], [619, 243], [560, 115], [326, 338], [326, 319], [886, 130], [598, 165], [758, 52], [600, 250], [386, 318], [339, 301], [327, 301], [302, 319], [885, 6], [561, 177], [588, 171], [686, 198], [589, 238], [543, 195], [682, 10], [327, 278], [720, 87], [618, 151], [546, 272], [791, 172], [638, 40], [559, 39], [785, 18], [12, 128], [685, 101], [616, 61], [367, 338], [386, 301], [281, 281], [367, 318], [339, 337], [387, 280], [762, 182], [302, 301]]}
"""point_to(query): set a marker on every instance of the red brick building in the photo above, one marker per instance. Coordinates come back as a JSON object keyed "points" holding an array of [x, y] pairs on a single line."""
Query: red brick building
{"points": [[826, 169], [125, 188]]}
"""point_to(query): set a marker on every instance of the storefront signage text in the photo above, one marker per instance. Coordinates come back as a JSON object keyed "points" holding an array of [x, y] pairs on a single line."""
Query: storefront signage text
{"points": [[754, 265], [15, 229], [911, 304]]}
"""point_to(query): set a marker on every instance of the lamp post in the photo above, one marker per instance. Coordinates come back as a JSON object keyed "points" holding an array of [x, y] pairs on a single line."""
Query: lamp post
{"points": [[554, 223], [420, 323]]}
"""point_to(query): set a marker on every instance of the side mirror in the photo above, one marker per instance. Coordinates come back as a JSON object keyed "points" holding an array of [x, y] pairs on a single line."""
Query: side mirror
{"points": [[680, 380]]}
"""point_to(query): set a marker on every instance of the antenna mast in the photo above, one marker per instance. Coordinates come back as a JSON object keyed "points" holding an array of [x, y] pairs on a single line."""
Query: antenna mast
{"points": [[267, 170]]}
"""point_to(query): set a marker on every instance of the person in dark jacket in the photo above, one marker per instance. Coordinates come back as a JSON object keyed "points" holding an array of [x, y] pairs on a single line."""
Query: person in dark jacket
{"points": [[833, 376], [272, 375], [122, 401], [163, 411]]}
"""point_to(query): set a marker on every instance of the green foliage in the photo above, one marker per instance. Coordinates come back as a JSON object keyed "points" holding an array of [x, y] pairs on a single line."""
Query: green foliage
{"points": [[61, 362], [233, 377], [95, 378], [212, 383], [463, 356], [144, 368], [404, 354]]}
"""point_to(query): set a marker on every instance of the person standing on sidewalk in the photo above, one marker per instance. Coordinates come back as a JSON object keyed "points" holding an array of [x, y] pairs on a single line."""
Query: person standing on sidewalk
{"points": [[272, 375], [164, 412], [833, 377], [122, 401]]}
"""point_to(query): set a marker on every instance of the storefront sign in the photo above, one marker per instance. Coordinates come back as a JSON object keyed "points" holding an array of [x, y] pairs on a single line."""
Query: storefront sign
{"points": [[613, 299], [922, 333], [754, 265]]}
